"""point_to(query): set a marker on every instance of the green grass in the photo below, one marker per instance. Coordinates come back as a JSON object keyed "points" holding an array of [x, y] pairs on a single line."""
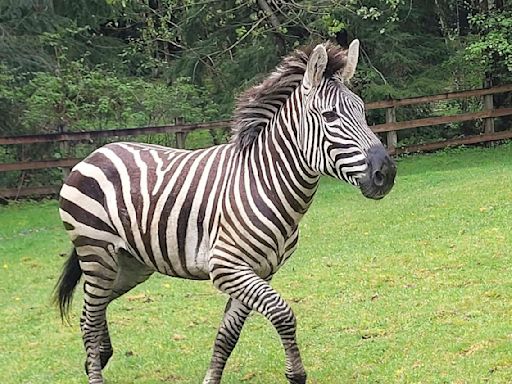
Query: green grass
{"points": [[416, 288]]}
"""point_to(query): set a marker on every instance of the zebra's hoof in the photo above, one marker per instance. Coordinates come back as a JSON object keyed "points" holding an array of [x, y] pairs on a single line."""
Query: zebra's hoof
{"points": [[296, 378]]}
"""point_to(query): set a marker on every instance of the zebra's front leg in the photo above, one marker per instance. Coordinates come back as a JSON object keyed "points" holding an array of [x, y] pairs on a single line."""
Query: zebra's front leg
{"points": [[242, 284], [235, 315]]}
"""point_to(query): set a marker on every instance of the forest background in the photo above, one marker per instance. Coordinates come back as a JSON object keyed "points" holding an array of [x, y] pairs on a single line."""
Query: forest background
{"points": [[102, 64]]}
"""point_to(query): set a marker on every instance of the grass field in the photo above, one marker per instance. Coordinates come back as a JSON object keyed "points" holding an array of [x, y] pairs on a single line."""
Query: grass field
{"points": [[416, 288]]}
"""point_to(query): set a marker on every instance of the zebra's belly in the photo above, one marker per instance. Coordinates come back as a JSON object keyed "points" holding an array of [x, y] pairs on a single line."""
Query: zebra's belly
{"points": [[264, 264], [193, 271], [186, 258]]}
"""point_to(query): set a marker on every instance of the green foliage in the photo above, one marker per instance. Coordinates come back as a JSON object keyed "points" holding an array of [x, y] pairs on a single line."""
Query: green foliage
{"points": [[89, 48], [78, 97], [492, 47], [11, 102]]}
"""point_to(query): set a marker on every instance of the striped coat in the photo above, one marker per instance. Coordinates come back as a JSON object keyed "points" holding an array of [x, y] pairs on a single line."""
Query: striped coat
{"points": [[229, 213]]}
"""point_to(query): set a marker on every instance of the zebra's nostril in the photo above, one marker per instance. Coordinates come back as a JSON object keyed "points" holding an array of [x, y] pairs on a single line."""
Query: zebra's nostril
{"points": [[378, 178]]}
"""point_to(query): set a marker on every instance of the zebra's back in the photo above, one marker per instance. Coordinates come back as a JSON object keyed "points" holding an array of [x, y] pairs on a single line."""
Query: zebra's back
{"points": [[159, 204]]}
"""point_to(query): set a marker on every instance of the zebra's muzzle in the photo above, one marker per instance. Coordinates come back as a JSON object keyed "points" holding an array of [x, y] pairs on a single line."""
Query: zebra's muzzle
{"points": [[380, 175]]}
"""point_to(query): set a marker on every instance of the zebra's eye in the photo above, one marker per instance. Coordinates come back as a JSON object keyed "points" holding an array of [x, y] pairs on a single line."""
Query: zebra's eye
{"points": [[330, 116]]}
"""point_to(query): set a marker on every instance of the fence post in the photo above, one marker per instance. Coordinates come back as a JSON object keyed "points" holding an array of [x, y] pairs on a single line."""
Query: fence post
{"points": [[489, 121], [64, 150], [180, 136], [391, 139]]}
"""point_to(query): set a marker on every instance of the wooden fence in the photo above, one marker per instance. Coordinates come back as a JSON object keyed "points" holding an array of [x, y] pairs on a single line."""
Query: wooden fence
{"points": [[180, 130]]}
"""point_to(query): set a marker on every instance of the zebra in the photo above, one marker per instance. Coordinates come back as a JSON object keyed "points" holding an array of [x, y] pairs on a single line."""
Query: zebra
{"points": [[228, 213]]}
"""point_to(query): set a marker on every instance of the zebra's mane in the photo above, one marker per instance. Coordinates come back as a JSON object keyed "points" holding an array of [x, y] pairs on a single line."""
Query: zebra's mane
{"points": [[257, 105]]}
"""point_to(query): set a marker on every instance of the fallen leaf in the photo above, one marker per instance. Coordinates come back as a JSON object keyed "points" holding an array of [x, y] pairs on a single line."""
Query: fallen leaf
{"points": [[248, 376], [140, 297], [475, 348]]}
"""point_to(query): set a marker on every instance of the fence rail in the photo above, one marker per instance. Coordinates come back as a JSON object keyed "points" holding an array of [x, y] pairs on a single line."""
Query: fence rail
{"points": [[440, 97], [180, 130], [93, 135], [438, 120]]}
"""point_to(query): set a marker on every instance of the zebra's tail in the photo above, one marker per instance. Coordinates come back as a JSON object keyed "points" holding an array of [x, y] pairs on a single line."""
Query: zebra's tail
{"points": [[63, 292]]}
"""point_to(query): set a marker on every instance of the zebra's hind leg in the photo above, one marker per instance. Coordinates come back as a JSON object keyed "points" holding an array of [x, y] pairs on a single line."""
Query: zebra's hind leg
{"points": [[106, 350], [242, 283], [108, 278], [235, 315], [130, 274], [100, 272]]}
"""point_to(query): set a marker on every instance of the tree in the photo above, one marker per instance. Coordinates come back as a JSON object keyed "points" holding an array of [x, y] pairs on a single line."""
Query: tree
{"points": [[491, 43]]}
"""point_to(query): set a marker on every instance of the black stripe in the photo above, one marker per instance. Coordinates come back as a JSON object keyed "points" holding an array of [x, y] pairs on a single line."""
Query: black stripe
{"points": [[84, 217]]}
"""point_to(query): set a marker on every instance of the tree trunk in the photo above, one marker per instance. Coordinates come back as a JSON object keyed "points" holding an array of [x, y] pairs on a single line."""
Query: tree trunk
{"points": [[274, 21]]}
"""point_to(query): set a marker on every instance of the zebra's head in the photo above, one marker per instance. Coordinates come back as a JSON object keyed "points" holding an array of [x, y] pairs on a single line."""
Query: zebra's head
{"points": [[333, 133]]}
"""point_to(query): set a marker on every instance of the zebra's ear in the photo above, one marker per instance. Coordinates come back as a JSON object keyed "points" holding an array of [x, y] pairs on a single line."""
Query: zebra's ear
{"points": [[352, 59], [315, 68]]}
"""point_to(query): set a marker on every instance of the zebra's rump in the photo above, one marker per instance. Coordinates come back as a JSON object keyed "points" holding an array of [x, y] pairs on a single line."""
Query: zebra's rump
{"points": [[157, 203]]}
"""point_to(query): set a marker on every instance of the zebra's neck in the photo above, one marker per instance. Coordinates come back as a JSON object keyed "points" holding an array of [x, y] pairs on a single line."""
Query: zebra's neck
{"points": [[277, 172]]}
